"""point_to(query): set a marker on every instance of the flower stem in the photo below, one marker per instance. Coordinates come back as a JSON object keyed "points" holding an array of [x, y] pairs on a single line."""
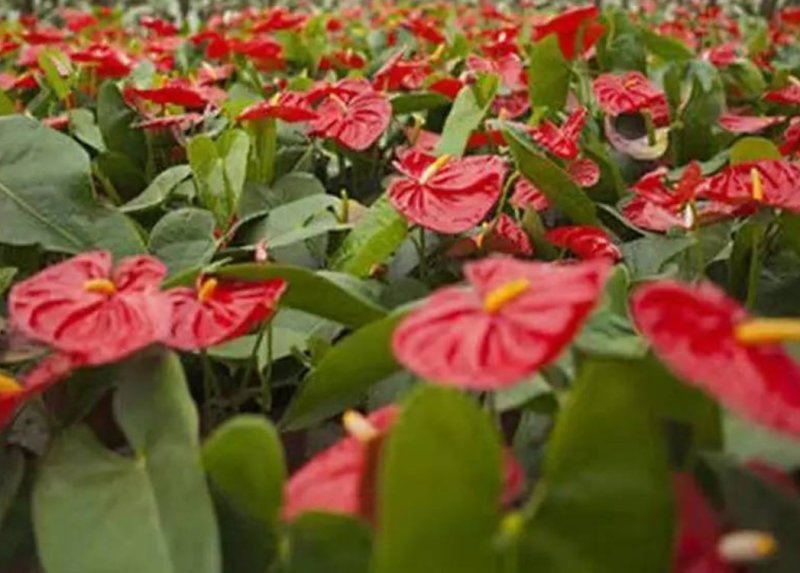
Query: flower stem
{"points": [[423, 258], [754, 271], [266, 378], [252, 362]]}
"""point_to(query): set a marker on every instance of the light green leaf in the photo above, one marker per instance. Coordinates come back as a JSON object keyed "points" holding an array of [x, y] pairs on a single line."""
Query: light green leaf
{"points": [[439, 487], [465, 116], [53, 63], [548, 74], [184, 239], [46, 194], [159, 189], [666, 47], [97, 511], [749, 149], [377, 235]]}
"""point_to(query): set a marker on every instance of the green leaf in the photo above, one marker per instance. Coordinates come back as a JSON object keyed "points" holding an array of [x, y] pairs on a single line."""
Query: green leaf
{"points": [[465, 116], [548, 74], [7, 275], [329, 543], [439, 487], [183, 239], [98, 511], [421, 101], [123, 174], [666, 47], [7, 106], [46, 194], [753, 149], [244, 459], [159, 189], [790, 230], [344, 374], [312, 293], [622, 47], [83, 127], [377, 235], [553, 181], [754, 504], [700, 113], [12, 471], [52, 63], [244, 462], [219, 170], [647, 257], [605, 463], [115, 118]]}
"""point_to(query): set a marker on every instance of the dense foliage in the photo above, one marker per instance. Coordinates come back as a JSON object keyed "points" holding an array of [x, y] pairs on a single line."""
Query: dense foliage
{"points": [[383, 288]]}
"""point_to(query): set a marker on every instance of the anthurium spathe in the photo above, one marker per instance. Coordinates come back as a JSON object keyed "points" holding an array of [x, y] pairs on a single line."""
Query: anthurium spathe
{"points": [[630, 92], [575, 24], [747, 123], [511, 318], [585, 241], [771, 182], [287, 106], [218, 310], [354, 116], [89, 308], [710, 341], [446, 194], [343, 478]]}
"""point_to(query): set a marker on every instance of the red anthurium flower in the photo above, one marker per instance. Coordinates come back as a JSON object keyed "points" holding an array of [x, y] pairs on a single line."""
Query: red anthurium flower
{"points": [[59, 122], [568, 25], [561, 142], [424, 28], [181, 92], [279, 18], [77, 20], [445, 194], [630, 92], [771, 182], [505, 236], [790, 95], [585, 241], [509, 67], [448, 87], [512, 105], [158, 26], [107, 61], [583, 172], [658, 208], [397, 74], [44, 36], [723, 55], [264, 51], [49, 371], [747, 123], [709, 341], [219, 310], [86, 308], [181, 121], [791, 138], [208, 74], [342, 479], [355, 121], [287, 106], [511, 319]]}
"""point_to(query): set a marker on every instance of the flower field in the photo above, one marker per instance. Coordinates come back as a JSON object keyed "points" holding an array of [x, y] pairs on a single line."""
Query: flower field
{"points": [[400, 287]]}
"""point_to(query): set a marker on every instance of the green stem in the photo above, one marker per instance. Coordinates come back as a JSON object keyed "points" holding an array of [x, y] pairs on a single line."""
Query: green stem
{"points": [[423, 258], [650, 126], [266, 391], [210, 387], [266, 136], [252, 362], [754, 271]]}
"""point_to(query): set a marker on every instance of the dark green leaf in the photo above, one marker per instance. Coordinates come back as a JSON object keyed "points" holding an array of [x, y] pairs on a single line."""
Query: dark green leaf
{"points": [[46, 194], [328, 543], [115, 118], [553, 181], [312, 293], [84, 129], [422, 101], [666, 47], [439, 487], [344, 375], [606, 464]]}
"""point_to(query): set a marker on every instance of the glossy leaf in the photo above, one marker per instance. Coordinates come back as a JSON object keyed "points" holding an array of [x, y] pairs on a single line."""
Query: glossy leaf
{"points": [[115, 120], [439, 487], [159, 189], [548, 74], [465, 116], [413, 102], [750, 149]]}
